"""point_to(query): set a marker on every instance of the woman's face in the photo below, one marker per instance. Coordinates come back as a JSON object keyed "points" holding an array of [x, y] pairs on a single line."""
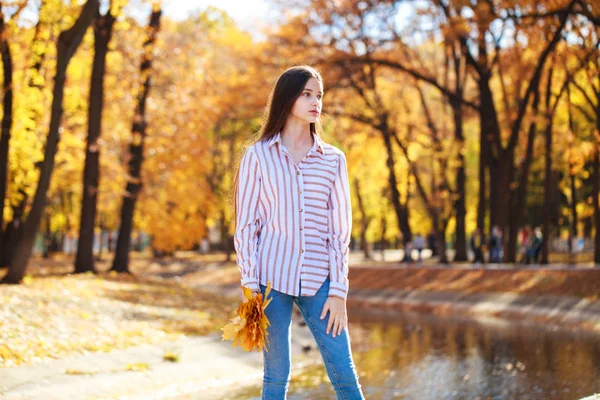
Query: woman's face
{"points": [[310, 100]]}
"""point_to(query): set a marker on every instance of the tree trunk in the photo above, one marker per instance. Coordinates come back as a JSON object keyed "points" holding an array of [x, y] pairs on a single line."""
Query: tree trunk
{"points": [[461, 179], [136, 150], [84, 260], [517, 209], [504, 173], [230, 250], [489, 156], [68, 42], [574, 217], [482, 169], [7, 107], [364, 221], [440, 242], [596, 197], [383, 232], [401, 212], [547, 194], [14, 227], [548, 173], [13, 231], [226, 239]]}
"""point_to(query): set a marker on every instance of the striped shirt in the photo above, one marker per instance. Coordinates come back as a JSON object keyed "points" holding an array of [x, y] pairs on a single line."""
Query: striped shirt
{"points": [[293, 220]]}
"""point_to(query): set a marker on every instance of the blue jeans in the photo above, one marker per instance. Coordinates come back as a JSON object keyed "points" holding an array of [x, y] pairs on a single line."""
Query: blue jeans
{"points": [[336, 352], [496, 256]]}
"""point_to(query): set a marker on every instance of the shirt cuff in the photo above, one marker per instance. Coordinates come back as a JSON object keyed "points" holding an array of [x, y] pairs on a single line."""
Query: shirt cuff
{"points": [[338, 290], [250, 283]]}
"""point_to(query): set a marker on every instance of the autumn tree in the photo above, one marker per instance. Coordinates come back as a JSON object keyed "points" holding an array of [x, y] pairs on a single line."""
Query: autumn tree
{"points": [[136, 147], [586, 104], [67, 44], [7, 108], [103, 28]]}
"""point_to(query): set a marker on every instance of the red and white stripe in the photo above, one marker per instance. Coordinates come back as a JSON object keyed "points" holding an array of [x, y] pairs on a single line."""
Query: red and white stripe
{"points": [[293, 220]]}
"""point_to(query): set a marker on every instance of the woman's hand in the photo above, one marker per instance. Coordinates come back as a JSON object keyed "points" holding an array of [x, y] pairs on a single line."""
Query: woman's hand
{"points": [[338, 319], [254, 293]]}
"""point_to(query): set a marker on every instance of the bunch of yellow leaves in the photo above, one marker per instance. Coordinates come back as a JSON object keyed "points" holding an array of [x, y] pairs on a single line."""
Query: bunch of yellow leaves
{"points": [[249, 328]]}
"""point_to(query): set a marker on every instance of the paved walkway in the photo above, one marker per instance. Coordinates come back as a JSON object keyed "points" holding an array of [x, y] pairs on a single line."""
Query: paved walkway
{"points": [[208, 369], [205, 363]]}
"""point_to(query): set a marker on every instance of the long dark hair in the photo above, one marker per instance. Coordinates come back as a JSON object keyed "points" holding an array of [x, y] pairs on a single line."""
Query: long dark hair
{"points": [[288, 88]]}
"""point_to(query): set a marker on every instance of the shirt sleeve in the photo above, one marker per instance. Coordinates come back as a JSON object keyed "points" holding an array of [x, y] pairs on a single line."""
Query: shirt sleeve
{"points": [[247, 229], [340, 228]]}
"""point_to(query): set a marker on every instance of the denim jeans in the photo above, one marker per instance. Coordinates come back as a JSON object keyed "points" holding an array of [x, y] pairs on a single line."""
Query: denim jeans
{"points": [[336, 352]]}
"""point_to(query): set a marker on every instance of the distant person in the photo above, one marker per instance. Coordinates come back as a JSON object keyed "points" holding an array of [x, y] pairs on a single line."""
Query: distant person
{"points": [[419, 243], [536, 245], [496, 245], [477, 245], [525, 244]]}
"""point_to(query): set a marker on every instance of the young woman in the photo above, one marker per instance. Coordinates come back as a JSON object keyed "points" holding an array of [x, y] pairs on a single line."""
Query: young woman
{"points": [[293, 225]]}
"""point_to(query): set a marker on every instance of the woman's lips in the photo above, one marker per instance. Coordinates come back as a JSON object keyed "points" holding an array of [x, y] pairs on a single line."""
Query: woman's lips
{"points": [[314, 112]]}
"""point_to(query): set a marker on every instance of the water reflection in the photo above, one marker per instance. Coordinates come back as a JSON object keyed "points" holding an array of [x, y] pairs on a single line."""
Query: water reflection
{"points": [[413, 356]]}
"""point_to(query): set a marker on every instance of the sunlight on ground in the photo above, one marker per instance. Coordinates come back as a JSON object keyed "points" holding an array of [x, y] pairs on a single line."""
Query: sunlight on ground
{"points": [[54, 316]]}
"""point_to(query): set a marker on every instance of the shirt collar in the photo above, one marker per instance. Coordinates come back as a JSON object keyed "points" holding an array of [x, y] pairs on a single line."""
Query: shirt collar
{"points": [[319, 143]]}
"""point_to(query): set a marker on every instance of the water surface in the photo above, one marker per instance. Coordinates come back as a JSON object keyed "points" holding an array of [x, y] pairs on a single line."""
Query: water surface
{"points": [[422, 357]]}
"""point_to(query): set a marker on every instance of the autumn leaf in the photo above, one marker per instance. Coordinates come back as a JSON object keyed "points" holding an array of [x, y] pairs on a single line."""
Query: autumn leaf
{"points": [[249, 327]]}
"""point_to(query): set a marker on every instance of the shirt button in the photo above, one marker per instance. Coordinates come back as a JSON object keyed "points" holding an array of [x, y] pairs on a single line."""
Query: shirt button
{"points": [[299, 191], [301, 228], [300, 210], [301, 250], [299, 172]]}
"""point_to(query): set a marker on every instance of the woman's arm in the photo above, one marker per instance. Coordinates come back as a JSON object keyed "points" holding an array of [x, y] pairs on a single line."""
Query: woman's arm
{"points": [[340, 227], [247, 229]]}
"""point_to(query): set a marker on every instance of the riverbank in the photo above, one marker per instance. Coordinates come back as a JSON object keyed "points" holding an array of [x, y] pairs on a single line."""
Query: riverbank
{"points": [[563, 297]]}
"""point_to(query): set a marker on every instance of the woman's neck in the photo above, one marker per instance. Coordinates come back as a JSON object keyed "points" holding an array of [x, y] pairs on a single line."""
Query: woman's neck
{"points": [[296, 134]]}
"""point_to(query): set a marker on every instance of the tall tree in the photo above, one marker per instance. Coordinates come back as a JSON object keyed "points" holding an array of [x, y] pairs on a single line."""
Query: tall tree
{"points": [[588, 86], [7, 111], [67, 44], [551, 104], [103, 28], [377, 116], [365, 220], [502, 170], [35, 85], [136, 147]]}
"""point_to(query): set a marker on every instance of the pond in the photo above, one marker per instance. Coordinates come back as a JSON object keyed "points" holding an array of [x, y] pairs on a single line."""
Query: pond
{"points": [[412, 356]]}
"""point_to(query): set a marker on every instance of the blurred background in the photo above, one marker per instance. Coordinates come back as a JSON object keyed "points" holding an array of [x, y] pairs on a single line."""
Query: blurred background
{"points": [[454, 117], [471, 129]]}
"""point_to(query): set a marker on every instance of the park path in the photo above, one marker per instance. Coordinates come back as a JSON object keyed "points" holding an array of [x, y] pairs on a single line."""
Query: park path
{"points": [[205, 364], [208, 368]]}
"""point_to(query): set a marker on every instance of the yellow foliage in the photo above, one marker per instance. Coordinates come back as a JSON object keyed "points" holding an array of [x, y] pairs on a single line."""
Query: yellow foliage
{"points": [[249, 327]]}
